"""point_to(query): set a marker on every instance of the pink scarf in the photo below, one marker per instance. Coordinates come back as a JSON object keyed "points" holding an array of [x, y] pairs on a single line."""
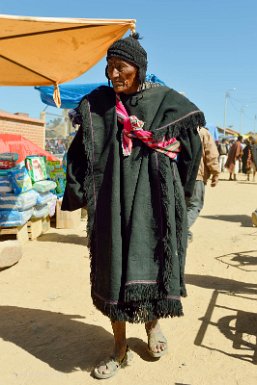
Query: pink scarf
{"points": [[133, 128]]}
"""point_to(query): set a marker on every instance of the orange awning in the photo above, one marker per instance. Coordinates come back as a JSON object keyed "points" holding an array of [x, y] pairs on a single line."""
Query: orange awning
{"points": [[23, 147], [37, 51]]}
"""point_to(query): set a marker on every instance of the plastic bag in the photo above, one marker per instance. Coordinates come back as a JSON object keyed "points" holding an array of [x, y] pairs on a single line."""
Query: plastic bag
{"points": [[11, 156], [20, 202], [36, 166], [44, 186], [43, 198], [18, 166], [20, 180], [5, 185], [52, 205], [12, 218], [40, 211]]}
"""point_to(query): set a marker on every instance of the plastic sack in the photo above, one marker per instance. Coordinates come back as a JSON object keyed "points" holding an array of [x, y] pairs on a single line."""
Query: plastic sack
{"points": [[4, 172], [44, 186], [20, 202], [5, 185], [58, 175], [20, 180], [7, 164], [40, 211], [12, 218], [11, 156], [36, 166], [43, 198], [52, 206], [60, 188]]}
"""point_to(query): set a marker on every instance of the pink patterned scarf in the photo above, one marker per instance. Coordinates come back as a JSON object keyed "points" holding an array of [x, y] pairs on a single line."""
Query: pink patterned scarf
{"points": [[133, 128]]}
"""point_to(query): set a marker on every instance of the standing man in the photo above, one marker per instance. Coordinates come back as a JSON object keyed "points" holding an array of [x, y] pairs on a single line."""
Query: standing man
{"points": [[223, 154], [209, 166], [234, 158]]}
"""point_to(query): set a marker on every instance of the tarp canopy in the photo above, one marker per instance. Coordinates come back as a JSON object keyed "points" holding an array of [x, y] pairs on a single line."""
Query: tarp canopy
{"points": [[213, 131], [37, 51], [23, 147], [71, 94]]}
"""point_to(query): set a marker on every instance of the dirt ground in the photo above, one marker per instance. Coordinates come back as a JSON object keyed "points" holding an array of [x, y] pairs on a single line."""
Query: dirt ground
{"points": [[50, 333]]}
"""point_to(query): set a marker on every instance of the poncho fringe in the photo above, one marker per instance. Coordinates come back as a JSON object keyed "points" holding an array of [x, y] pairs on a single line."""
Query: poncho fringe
{"points": [[168, 252], [190, 121], [140, 312]]}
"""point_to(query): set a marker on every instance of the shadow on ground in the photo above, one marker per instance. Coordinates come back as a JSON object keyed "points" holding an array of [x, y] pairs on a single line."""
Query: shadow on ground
{"points": [[64, 342], [63, 238], [242, 260], [222, 284], [237, 325], [245, 220]]}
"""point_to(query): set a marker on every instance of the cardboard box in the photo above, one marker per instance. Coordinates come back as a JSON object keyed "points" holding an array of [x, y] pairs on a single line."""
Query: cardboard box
{"points": [[67, 219]]}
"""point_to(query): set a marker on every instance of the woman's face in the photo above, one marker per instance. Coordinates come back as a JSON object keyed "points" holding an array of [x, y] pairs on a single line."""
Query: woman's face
{"points": [[123, 75]]}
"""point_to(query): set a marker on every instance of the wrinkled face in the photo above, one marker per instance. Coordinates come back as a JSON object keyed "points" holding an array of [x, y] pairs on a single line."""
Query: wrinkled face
{"points": [[123, 75]]}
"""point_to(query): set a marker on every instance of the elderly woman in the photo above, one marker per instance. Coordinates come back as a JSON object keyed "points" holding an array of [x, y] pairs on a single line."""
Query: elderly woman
{"points": [[133, 160]]}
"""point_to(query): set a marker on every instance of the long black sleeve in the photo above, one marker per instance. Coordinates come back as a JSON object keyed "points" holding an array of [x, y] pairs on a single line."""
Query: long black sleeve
{"points": [[73, 198], [189, 158]]}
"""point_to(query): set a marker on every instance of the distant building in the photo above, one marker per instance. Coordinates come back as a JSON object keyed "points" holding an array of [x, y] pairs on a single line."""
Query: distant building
{"points": [[21, 124], [227, 132]]}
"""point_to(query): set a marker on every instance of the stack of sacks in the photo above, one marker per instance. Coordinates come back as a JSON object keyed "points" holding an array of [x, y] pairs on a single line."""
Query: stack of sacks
{"points": [[16, 210], [46, 199], [25, 192], [16, 196]]}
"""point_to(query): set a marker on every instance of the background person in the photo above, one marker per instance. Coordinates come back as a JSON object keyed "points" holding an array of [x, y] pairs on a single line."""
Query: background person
{"points": [[247, 159], [253, 142], [234, 158], [223, 153], [209, 168]]}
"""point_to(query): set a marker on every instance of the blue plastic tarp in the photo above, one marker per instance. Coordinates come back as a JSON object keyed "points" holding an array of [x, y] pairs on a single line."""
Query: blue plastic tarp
{"points": [[71, 94], [213, 131]]}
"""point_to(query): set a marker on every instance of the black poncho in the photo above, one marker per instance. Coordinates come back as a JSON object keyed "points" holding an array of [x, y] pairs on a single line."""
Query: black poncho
{"points": [[137, 222]]}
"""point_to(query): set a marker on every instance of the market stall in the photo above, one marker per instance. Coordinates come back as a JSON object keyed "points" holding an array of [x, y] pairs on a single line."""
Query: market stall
{"points": [[38, 51]]}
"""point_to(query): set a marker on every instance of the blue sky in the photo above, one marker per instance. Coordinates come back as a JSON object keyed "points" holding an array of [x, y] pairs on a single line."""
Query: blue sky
{"points": [[203, 48]]}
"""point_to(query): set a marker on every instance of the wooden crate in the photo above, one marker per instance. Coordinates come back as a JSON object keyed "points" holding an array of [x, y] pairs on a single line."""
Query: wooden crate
{"points": [[37, 226], [19, 232], [66, 219]]}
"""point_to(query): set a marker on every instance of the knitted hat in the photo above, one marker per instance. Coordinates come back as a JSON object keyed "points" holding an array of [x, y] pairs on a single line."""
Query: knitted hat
{"points": [[129, 49]]}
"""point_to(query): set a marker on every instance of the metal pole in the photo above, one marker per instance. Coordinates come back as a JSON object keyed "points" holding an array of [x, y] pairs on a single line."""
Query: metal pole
{"points": [[227, 95], [241, 117], [225, 112]]}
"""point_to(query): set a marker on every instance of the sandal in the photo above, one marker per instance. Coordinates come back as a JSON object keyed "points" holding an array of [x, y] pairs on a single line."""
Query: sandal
{"points": [[113, 365], [155, 338]]}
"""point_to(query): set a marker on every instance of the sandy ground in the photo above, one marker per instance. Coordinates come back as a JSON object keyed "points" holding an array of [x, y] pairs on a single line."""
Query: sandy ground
{"points": [[50, 334]]}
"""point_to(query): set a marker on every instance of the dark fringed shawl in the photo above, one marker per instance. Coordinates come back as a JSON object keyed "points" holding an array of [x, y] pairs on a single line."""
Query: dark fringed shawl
{"points": [[137, 217]]}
